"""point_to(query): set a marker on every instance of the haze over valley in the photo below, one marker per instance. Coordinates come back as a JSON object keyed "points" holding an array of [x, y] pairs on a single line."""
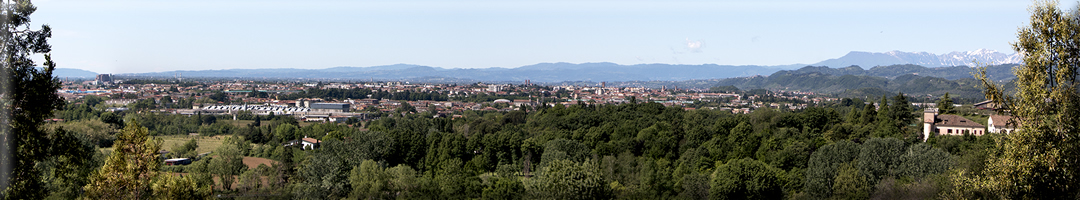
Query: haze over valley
{"points": [[596, 72]]}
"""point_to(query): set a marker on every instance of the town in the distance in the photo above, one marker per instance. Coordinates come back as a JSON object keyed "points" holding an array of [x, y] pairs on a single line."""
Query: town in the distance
{"points": [[339, 101], [354, 101]]}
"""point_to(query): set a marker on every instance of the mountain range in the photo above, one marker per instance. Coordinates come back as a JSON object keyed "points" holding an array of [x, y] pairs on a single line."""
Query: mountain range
{"points": [[543, 72], [604, 71], [956, 58]]}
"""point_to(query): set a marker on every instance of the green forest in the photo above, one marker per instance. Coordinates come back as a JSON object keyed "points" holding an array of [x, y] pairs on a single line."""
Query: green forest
{"points": [[628, 151]]}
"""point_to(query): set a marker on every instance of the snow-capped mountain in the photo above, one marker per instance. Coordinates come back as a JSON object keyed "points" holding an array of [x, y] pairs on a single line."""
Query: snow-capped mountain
{"points": [[956, 58]]}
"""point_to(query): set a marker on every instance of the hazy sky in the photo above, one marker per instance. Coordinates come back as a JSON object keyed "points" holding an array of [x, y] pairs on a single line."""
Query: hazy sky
{"points": [[146, 36]]}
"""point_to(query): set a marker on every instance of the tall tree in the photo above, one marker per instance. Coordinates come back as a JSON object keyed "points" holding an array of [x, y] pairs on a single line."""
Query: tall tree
{"points": [[28, 96], [1041, 160], [368, 180], [884, 113], [901, 110], [945, 105], [228, 163], [868, 114], [130, 169]]}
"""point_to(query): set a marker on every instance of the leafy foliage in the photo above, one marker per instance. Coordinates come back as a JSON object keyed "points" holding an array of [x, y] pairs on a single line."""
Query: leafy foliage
{"points": [[747, 179], [129, 171], [945, 105], [228, 163], [824, 163], [28, 97], [566, 179], [1039, 160]]}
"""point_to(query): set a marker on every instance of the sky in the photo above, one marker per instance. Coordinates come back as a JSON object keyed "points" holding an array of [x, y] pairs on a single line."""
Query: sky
{"points": [[158, 35]]}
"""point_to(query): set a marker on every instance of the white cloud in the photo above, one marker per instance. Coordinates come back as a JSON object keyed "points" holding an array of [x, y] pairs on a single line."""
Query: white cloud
{"points": [[694, 46]]}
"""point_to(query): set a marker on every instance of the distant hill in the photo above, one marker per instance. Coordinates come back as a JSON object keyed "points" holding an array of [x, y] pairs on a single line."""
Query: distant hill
{"points": [[73, 73], [543, 72], [850, 81], [853, 81], [895, 63], [956, 58], [995, 72]]}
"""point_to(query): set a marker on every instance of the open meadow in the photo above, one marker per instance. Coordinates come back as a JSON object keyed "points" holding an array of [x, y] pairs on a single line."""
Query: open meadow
{"points": [[206, 143]]}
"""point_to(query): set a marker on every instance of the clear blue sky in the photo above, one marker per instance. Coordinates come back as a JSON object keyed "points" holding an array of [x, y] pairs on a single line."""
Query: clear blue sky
{"points": [[147, 36]]}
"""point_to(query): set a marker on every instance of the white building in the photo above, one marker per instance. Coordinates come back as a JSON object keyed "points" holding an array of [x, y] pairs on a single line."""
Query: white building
{"points": [[305, 143], [1000, 124]]}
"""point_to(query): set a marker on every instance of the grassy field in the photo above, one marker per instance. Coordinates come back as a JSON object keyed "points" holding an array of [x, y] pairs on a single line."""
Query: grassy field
{"points": [[206, 144], [240, 123]]}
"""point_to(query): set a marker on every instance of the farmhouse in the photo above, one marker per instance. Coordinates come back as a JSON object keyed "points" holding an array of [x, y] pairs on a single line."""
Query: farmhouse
{"points": [[305, 143], [933, 123]]}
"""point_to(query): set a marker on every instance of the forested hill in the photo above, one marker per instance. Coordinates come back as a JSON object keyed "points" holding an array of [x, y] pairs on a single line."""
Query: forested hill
{"points": [[995, 72], [853, 81]]}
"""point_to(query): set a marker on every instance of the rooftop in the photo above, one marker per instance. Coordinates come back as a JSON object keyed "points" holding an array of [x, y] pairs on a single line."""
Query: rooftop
{"points": [[311, 140], [1001, 120], [954, 120]]}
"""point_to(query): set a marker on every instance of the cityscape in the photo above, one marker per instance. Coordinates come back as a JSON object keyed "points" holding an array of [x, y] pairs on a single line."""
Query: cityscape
{"points": [[445, 99]]}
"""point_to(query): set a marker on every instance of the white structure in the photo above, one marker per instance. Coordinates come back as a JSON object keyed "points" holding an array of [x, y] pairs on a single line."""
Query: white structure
{"points": [[254, 108], [178, 161], [315, 118], [929, 117], [495, 88], [120, 102], [1000, 124], [305, 143]]}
